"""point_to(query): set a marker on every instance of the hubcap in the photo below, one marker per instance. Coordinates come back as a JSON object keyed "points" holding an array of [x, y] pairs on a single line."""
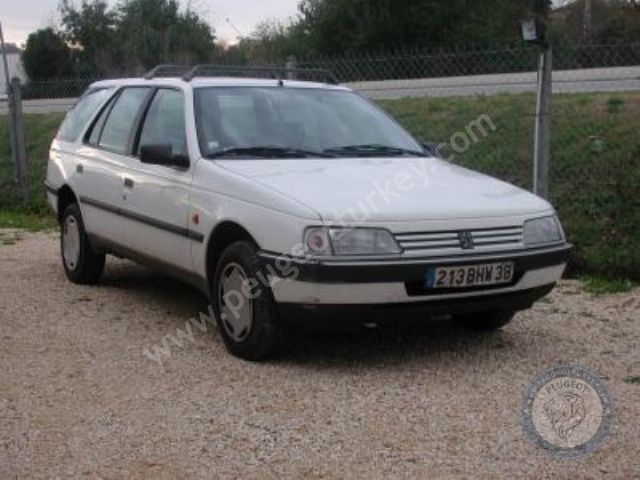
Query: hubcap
{"points": [[70, 242], [236, 308]]}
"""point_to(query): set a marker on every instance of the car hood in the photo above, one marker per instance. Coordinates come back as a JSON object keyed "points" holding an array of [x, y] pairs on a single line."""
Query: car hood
{"points": [[388, 189]]}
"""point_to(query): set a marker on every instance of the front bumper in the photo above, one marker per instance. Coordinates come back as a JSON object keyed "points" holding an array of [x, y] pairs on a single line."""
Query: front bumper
{"points": [[370, 282]]}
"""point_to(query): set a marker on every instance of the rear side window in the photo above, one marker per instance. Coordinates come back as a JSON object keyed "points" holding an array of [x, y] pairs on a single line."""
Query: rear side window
{"points": [[118, 129], [76, 120]]}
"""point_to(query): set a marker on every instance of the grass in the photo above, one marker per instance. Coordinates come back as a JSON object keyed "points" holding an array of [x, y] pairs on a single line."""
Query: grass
{"points": [[595, 167], [32, 222], [633, 380], [35, 215], [595, 170], [603, 286], [39, 132]]}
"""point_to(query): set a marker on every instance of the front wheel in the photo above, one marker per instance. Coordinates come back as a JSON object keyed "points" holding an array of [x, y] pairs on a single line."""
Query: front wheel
{"points": [[486, 320], [245, 310], [81, 263]]}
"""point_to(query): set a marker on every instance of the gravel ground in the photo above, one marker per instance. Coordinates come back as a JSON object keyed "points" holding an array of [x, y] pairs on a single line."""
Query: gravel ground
{"points": [[78, 397]]}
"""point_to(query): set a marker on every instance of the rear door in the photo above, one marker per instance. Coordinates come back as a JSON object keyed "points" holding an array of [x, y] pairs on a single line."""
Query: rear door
{"points": [[74, 161], [156, 198]]}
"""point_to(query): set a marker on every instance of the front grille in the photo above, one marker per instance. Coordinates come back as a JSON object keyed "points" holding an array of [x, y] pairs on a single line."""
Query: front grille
{"points": [[457, 241]]}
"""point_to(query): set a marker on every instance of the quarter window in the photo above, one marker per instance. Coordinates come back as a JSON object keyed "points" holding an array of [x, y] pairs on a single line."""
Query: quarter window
{"points": [[76, 120], [93, 135], [120, 124]]}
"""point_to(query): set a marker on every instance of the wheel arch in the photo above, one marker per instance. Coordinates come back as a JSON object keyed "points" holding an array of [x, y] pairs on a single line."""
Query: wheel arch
{"points": [[223, 235], [66, 196]]}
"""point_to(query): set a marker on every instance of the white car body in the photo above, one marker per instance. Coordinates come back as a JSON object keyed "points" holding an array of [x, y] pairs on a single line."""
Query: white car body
{"points": [[169, 217]]}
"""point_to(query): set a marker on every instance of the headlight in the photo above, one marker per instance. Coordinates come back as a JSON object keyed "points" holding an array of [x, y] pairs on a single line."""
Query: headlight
{"points": [[349, 241], [542, 230]]}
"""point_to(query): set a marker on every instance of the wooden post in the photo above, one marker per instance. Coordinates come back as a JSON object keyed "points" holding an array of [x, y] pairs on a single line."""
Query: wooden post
{"points": [[16, 132], [20, 153], [12, 137]]}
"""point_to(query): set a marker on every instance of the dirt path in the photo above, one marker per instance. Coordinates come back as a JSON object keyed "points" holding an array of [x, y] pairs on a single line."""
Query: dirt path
{"points": [[78, 397]]}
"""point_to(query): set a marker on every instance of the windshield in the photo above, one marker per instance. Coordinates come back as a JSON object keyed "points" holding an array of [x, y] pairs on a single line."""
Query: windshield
{"points": [[298, 122]]}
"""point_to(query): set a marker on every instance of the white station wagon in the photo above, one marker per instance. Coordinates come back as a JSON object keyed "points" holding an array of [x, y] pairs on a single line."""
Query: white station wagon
{"points": [[282, 198]]}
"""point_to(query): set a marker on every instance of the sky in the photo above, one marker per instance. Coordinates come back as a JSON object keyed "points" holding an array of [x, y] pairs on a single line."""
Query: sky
{"points": [[21, 17]]}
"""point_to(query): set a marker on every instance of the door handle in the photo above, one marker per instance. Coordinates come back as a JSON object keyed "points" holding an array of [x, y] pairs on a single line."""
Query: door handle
{"points": [[79, 168], [128, 182]]}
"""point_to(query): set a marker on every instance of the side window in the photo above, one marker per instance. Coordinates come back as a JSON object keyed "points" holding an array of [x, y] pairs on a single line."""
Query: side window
{"points": [[77, 118], [164, 123], [120, 123], [93, 136]]}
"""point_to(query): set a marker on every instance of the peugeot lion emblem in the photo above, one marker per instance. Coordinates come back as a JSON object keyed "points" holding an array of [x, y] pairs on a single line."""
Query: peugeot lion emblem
{"points": [[466, 240]]}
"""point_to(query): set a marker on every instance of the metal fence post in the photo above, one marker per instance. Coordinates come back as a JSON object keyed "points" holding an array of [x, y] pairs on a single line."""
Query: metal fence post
{"points": [[291, 66], [17, 134], [542, 142]]}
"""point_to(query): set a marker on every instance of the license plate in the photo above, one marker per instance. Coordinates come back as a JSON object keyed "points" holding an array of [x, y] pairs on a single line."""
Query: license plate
{"points": [[470, 275]]}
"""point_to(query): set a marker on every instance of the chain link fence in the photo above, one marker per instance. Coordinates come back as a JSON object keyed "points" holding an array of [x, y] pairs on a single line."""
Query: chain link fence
{"points": [[452, 63], [446, 97]]}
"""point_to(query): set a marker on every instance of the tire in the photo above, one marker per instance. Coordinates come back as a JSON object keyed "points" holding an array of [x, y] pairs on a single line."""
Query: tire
{"points": [[81, 263], [248, 325], [486, 321]]}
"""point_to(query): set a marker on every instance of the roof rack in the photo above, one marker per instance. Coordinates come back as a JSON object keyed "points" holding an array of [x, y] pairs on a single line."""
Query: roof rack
{"points": [[188, 73], [167, 70]]}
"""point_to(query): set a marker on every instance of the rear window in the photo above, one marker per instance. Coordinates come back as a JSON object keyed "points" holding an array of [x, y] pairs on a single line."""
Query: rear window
{"points": [[84, 109]]}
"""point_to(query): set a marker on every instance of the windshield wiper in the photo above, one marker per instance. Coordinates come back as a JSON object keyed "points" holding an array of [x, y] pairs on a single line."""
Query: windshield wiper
{"points": [[373, 149], [268, 152]]}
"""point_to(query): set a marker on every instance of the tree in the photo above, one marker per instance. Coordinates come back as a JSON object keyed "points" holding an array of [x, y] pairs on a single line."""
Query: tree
{"points": [[274, 40], [622, 25], [46, 55], [338, 26], [135, 35], [91, 29], [597, 21], [157, 31]]}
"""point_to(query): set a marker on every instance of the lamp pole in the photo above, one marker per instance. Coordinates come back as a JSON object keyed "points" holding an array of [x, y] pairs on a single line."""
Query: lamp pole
{"points": [[542, 140], [534, 31]]}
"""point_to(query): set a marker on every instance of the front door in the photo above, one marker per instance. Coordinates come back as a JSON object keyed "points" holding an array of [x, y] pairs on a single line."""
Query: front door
{"points": [[156, 198]]}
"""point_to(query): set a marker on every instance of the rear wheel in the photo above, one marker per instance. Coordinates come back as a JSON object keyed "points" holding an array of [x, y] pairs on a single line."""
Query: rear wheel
{"points": [[245, 310], [486, 320], [81, 263]]}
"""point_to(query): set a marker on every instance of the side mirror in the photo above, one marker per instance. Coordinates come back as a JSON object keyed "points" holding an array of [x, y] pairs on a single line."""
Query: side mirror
{"points": [[162, 154], [431, 148]]}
